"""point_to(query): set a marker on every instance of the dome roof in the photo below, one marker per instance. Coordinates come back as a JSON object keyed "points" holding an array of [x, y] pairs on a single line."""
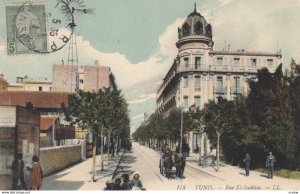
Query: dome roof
{"points": [[195, 24]]}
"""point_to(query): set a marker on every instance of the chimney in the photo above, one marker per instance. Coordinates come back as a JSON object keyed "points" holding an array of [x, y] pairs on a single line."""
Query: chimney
{"points": [[19, 80]]}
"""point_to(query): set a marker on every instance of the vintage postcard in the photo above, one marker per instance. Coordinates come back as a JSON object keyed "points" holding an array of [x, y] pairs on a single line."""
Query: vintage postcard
{"points": [[165, 95]]}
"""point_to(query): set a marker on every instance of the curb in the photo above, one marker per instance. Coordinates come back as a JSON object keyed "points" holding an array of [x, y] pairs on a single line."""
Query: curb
{"points": [[115, 171]]}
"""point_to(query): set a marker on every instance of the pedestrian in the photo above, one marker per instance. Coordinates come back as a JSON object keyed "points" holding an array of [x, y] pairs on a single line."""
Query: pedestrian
{"points": [[36, 176], [166, 149], [270, 165], [18, 172], [126, 182], [135, 181], [247, 163], [109, 185], [117, 184]]}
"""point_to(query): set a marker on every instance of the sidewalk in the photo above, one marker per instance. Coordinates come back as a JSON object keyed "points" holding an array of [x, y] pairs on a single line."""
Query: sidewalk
{"points": [[233, 176], [78, 177]]}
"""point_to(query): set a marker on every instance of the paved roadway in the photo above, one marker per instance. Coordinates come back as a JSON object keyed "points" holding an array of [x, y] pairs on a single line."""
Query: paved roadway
{"points": [[146, 161]]}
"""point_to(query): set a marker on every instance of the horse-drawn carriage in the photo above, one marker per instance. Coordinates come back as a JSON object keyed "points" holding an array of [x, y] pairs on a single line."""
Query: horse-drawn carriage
{"points": [[172, 164]]}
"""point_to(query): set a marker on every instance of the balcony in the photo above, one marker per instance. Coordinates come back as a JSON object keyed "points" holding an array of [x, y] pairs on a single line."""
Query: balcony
{"points": [[220, 90], [197, 88], [221, 68], [236, 90]]}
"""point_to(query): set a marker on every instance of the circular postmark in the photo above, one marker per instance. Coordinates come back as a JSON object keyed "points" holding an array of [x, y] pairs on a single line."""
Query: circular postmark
{"points": [[43, 32]]}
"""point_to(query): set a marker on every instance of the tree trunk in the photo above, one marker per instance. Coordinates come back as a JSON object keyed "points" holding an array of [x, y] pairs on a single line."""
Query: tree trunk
{"points": [[117, 145], [94, 157], [102, 142], [218, 151], [109, 150]]}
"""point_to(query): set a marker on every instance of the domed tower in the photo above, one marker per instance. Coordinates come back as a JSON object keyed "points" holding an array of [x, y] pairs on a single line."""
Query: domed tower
{"points": [[195, 33]]}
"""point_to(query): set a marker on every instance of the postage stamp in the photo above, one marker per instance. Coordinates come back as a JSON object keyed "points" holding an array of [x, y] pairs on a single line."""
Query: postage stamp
{"points": [[25, 28]]}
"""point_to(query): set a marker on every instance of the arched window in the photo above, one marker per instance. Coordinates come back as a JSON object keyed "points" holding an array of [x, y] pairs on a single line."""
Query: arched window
{"points": [[186, 30], [198, 28], [208, 30]]}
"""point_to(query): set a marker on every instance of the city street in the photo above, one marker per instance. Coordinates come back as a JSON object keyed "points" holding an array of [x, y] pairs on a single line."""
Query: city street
{"points": [[146, 161]]}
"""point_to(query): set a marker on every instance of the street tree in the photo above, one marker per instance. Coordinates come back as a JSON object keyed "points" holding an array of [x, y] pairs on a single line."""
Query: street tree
{"points": [[216, 115]]}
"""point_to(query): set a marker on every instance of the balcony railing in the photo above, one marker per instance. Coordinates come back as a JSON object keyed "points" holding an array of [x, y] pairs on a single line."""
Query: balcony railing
{"points": [[220, 90], [197, 88], [236, 90], [221, 68]]}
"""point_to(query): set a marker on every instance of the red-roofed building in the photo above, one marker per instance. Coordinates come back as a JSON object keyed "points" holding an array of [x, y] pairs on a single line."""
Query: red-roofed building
{"points": [[53, 133], [44, 102], [49, 105]]}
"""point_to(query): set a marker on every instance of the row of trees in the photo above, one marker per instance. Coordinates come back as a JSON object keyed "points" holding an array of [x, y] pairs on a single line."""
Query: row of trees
{"points": [[268, 119], [105, 113]]}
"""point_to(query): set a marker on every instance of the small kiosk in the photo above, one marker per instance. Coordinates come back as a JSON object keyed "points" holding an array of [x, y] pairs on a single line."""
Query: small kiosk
{"points": [[19, 133]]}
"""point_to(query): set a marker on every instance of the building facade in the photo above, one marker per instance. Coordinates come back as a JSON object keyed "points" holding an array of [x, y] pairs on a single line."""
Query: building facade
{"points": [[68, 78], [199, 73], [3, 83], [29, 84]]}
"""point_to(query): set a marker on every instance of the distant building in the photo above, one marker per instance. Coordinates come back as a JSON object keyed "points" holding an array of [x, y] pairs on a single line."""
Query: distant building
{"points": [[295, 68], [148, 115], [30, 84], [3, 83], [199, 73], [68, 78]]}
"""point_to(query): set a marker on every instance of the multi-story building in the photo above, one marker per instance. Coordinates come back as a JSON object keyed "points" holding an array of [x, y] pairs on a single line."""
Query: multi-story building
{"points": [[68, 78], [3, 83], [199, 73], [29, 84]]}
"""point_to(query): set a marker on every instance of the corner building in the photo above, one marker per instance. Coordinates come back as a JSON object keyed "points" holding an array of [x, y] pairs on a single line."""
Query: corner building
{"points": [[199, 73]]}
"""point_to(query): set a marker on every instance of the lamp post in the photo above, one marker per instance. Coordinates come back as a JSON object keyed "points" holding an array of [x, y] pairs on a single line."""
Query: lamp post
{"points": [[181, 128]]}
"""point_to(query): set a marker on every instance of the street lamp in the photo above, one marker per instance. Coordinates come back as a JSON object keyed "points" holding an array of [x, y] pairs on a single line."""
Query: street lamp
{"points": [[181, 128]]}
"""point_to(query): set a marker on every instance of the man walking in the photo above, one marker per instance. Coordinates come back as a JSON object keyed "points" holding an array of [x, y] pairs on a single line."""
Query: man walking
{"points": [[18, 172], [247, 163], [270, 165]]}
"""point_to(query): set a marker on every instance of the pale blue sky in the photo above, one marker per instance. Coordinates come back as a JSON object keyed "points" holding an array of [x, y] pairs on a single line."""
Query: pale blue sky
{"points": [[136, 38]]}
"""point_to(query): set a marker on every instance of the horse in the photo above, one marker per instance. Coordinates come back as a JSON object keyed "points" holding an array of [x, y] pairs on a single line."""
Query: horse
{"points": [[179, 164], [168, 163]]}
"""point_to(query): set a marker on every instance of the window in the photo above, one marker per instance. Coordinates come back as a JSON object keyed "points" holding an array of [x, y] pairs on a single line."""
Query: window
{"points": [[236, 85], [186, 30], [81, 81], [186, 62], [270, 62], [220, 60], [254, 79], [40, 88], [185, 81], [236, 61], [197, 62], [253, 62], [185, 101], [197, 81], [197, 101], [198, 28], [219, 82]]}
